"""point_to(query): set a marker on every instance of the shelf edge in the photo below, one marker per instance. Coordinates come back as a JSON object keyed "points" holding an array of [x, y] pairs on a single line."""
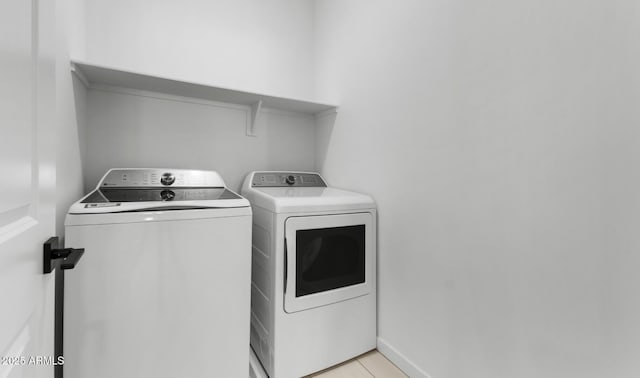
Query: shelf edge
{"points": [[267, 100], [80, 75]]}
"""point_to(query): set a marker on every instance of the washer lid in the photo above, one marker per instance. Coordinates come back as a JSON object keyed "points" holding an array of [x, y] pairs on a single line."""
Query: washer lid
{"points": [[123, 190]]}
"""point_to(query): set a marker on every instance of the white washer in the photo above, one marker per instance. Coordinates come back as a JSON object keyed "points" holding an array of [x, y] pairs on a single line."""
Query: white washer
{"points": [[313, 295], [163, 289]]}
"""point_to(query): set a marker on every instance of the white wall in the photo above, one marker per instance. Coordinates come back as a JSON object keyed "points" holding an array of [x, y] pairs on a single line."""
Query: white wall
{"points": [[141, 129], [261, 46], [264, 47], [70, 112], [500, 140]]}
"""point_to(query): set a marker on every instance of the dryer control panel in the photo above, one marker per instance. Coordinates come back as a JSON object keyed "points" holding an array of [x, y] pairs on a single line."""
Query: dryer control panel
{"points": [[285, 179]]}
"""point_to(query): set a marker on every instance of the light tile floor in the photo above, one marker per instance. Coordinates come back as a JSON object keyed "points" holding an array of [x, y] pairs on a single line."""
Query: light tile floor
{"points": [[369, 365]]}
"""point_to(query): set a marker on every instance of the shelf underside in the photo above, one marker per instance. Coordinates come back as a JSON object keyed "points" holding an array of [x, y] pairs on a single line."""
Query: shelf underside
{"points": [[100, 75]]}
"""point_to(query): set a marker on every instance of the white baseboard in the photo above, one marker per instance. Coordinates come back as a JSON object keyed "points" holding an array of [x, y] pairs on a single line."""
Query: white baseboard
{"points": [[408, 367]]}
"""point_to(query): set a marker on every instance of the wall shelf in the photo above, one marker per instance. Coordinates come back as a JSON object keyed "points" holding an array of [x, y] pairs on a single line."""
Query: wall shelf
{"points": [[92, 74]]}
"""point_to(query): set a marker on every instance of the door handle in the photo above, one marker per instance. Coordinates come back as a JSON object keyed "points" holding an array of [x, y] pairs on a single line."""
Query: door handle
{"points": [[54, 256], [64, 259]]}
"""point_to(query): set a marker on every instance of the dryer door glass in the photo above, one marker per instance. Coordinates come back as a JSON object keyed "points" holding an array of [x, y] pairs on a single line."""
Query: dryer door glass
{"points": [[329, 258]]}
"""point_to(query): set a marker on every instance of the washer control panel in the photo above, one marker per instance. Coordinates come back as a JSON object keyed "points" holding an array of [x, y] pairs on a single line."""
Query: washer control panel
{"points": [[285, 179], [144, 178]]}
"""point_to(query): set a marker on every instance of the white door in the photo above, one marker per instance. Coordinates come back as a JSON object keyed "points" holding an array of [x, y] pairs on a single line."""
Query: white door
{"points": [[27, 165], [329, 258]]}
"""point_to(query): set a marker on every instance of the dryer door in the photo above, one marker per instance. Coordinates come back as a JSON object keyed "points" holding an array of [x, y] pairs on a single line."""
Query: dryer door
{"points": [[328, 259]]}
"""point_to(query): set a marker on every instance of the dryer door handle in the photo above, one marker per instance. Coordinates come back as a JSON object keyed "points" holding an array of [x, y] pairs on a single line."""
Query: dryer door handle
{"points": [[286, 265]]}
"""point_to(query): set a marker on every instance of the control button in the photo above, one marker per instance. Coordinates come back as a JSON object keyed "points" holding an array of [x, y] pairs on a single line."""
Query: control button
{"points": [[291, 179], [309, 179], [167, 179], [167, 195]]}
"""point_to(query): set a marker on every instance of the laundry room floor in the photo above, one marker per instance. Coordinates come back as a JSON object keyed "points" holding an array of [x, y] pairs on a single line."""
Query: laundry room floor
{"points": [[368, 365]]}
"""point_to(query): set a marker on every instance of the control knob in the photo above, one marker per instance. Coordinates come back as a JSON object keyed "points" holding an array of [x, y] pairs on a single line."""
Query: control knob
{"points": [[167, 179], [167, 195], [291, 179]]}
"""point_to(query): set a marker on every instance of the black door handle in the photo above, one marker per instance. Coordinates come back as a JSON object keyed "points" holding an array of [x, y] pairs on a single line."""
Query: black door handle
{"points": [[64, 259], [54, 256]]}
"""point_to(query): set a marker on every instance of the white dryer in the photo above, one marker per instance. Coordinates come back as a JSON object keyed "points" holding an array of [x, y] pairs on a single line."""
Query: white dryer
{"points": [[164, 288], [313, 295]]}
